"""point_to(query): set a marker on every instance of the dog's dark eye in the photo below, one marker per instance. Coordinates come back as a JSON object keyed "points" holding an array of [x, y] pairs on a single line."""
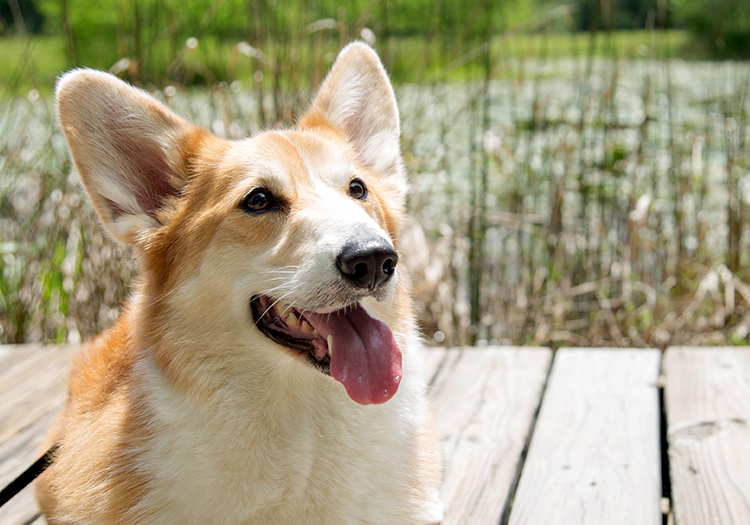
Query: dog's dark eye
{"points": [[259, 200], [357, 189]]}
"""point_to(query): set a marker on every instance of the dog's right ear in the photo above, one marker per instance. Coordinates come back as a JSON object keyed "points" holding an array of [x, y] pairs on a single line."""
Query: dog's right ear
{"points": [[130, 150]]}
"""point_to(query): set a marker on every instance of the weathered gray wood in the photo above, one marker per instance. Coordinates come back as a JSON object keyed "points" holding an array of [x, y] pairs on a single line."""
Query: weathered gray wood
{"points": [[32, 392], [707, 397], [434, 359], [595, 452], [485, 400]]}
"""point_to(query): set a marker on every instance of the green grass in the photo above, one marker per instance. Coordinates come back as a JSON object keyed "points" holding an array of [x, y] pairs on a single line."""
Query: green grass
{"points": [[458, 62], [34, 63], [619, 44]]}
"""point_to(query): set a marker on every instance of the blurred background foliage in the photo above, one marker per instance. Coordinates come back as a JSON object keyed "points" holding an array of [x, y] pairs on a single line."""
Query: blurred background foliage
{"points": [[39, 38], [580, 170]]}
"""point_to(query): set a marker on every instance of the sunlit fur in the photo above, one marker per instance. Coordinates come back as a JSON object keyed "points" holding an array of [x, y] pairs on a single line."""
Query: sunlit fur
{"points": [[184, 412]]}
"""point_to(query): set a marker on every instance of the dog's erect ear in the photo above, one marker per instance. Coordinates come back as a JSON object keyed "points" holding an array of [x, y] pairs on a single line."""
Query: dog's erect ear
{"points": [[357, 100], [129, 149]]}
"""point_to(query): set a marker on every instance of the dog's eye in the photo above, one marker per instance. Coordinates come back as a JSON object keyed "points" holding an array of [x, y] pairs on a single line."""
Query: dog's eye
{"points": [[259, 200], [357, 189]]}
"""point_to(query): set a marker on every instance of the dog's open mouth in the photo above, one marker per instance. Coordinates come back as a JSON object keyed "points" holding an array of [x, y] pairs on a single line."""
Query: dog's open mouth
{"points": [[353, 347]]}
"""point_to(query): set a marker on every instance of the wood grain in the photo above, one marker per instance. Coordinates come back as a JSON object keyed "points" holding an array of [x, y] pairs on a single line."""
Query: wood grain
{"points": [[485, 401], [707, 397], [595, 452], [32, 392]]}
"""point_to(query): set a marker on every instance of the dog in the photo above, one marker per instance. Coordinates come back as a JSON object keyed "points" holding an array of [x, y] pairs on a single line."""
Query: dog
{"points": [[267, 368]]}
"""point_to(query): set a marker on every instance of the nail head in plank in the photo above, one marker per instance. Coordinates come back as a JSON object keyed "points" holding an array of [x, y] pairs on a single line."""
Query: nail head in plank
{"points": [[594, 456], [707, 397]]}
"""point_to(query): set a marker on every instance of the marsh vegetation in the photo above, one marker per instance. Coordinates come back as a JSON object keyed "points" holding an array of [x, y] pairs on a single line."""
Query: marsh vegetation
{"points": [[567, 189]]}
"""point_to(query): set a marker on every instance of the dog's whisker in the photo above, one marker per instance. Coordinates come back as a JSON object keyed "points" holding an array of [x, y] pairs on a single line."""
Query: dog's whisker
{"points": [[274, 303], [283, 269]]}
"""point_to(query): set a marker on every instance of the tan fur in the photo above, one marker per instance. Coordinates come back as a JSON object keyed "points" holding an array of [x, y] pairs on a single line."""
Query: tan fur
{"points": [[184, 412]]}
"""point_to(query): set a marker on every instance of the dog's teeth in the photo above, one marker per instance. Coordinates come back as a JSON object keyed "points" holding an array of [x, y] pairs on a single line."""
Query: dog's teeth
{"points": [[292, 320], [315, 333], [330, 345], [306, 327]]}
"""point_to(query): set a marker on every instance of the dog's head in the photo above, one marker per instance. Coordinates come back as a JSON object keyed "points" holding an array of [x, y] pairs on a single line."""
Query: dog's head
{"points": [[282, 236]]}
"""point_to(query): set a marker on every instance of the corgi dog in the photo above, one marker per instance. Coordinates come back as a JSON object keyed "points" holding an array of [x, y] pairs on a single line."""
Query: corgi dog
{"points": [[267, 368]]}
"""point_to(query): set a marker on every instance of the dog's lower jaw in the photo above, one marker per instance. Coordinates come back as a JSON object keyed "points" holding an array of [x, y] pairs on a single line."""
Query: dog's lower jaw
{"points": [[291, 330], [355, 348]]}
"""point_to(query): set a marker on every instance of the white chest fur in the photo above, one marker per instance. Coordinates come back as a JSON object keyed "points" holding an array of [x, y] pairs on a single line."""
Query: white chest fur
{"points": [[296, 451]]}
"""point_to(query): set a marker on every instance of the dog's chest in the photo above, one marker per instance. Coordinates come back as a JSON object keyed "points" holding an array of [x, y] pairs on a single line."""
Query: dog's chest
{"points": [[325, 460]]}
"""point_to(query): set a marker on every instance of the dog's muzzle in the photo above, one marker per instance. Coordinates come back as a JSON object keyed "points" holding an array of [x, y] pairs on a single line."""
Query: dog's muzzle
{"points": [[344, 340]]}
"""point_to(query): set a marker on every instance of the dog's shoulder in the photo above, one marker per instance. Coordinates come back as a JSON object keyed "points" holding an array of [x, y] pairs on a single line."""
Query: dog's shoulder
{"points": [[101, 367]]}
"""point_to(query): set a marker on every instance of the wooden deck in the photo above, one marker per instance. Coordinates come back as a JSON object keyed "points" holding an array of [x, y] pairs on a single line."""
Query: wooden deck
{"points": [[581, 436]]}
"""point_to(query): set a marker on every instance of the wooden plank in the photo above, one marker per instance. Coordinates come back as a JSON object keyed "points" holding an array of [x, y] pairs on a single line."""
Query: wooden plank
{"points": [[434, 360], [22, 509], [595, 453], [707, 398], [32, 392], [485, 400], [22, 387]]}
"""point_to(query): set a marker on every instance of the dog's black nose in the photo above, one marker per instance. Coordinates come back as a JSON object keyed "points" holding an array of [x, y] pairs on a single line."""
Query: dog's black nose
{"points": [[367, 263]]}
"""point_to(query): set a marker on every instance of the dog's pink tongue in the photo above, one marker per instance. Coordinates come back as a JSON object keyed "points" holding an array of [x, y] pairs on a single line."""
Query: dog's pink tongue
{"points": [[364, 355]]}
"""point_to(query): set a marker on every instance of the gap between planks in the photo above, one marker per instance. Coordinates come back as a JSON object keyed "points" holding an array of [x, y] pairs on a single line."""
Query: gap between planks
{"points": [[485, 401], [595, 454]]}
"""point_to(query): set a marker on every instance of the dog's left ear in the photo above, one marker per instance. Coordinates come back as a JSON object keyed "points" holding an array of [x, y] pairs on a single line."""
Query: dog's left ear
{"points": [[356, 99]]}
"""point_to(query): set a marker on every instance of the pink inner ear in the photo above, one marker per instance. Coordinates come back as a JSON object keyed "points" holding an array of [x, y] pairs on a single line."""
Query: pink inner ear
{"points": [[147, 174], [357, 99]]}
